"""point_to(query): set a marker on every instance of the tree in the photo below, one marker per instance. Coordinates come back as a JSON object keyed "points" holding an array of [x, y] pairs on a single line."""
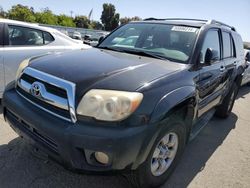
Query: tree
{"points": [[2, 13], [21, 13], [46, 17], [65, 20], [127, 19], [109, 18], [96, 25], [82, 22]]}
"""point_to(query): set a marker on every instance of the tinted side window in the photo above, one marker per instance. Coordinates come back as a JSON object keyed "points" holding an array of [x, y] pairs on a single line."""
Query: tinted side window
{"points": [[48, 38], [211, 41], [226, 45], [24, 36], [233, 52], [1, 34]]}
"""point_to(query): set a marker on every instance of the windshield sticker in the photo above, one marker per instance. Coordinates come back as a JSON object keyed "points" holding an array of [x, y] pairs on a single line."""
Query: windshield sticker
{"points": [[184, 29]]}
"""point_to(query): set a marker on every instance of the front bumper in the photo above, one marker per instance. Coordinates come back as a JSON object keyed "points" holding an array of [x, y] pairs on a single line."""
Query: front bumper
{"points": [[73, 145]]}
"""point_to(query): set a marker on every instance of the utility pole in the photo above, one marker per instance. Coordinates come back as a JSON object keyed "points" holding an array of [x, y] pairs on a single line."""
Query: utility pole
{"points": [[71, 13]]}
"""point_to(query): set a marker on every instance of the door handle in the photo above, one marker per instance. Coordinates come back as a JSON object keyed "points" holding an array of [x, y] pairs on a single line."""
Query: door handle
{"points": [[235, 63], [222, 68]]}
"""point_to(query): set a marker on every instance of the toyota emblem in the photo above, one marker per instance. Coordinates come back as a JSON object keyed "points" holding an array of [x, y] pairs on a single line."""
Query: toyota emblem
{"points": [[36, 89]]}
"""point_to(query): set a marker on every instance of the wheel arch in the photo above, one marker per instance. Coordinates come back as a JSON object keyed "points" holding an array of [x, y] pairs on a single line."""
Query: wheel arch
{"points": [[180, 101], [239, 76], [183, 99]]}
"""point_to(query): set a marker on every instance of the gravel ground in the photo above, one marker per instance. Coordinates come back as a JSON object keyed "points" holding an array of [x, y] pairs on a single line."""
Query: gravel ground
{"points": [[218, 157]]}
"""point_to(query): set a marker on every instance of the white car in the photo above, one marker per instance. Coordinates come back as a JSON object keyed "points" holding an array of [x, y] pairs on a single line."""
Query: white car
{"points": [[246, 75], [20, 40]]}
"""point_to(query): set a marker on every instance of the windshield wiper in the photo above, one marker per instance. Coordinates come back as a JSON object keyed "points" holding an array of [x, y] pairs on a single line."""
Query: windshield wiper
{"points": [[135, 52], [144, 53]]}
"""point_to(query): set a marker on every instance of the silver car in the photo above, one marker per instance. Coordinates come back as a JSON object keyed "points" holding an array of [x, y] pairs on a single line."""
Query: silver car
{"points": [[246, 76], [20, 40]]}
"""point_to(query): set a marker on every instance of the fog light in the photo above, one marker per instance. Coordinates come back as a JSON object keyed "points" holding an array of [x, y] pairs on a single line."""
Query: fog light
{"points": [[102, 157]]}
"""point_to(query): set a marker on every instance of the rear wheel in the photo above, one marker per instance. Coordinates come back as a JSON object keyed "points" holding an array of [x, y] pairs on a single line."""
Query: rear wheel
{"points": [[164, 155], [224, 110]]}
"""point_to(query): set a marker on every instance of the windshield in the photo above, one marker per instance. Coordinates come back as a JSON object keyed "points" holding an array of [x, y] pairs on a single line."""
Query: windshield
{"points": [[169, 41]]}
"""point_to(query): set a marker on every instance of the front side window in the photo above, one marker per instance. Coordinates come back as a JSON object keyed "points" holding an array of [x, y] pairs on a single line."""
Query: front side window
{"points": [[167, 41], [211, 41], [23, 36]]}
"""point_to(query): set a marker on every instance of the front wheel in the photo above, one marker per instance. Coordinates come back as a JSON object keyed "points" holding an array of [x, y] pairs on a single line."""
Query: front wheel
{"points": [[224, 110], [164, 155]]}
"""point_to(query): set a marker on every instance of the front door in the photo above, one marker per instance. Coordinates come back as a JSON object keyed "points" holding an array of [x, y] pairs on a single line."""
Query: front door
{"points": [[212, 80], [1, 61]]}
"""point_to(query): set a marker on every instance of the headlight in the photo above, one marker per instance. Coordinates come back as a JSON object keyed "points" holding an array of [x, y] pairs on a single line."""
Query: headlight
{"points": [[109, 105], [21, 67]]}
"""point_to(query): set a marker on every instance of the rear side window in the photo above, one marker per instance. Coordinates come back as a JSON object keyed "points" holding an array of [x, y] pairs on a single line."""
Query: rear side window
{"points": [[24, 36], [211, 41], [228, 45], [1, 33]]}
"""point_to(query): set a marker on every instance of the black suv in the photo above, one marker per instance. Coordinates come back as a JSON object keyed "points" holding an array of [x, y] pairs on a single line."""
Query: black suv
{"points": [[133, 102]]}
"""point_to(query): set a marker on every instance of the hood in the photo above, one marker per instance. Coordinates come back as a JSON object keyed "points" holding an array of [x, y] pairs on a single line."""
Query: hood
{"points": [[105, 69]]}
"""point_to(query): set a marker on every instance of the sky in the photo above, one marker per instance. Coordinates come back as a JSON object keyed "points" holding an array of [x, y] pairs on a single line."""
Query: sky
{"points": [[232, 12]]}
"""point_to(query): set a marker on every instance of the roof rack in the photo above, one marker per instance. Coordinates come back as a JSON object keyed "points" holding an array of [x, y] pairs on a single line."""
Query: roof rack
{"points": [[179, 19], [194, 20], [221, 23]]}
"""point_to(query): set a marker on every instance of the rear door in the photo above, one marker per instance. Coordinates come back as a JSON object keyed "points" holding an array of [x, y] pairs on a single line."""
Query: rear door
{"points": [[1, 60], [24, 42], [229, 57], [211, 82]]}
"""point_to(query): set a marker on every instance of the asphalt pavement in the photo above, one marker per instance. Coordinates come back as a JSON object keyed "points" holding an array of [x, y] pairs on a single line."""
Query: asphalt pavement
{"points": [[218, 157]]}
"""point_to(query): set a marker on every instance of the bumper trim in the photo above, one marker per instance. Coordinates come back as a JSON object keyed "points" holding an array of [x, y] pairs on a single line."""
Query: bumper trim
{"points": [[12, 119]]}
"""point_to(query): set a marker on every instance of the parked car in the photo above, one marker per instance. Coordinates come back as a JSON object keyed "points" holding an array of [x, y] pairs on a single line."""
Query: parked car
{"points": [[115, 108], [20, 40], [77, 36], [246, 74], [89, 40]]}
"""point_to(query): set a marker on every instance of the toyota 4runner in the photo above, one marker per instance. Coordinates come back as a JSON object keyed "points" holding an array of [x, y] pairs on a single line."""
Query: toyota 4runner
{"points": [[133, 102]]}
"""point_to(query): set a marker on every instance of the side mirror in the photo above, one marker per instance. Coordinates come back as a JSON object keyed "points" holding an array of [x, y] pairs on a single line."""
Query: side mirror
{"points": [[247, 57], [211, 56], [101, 39]]}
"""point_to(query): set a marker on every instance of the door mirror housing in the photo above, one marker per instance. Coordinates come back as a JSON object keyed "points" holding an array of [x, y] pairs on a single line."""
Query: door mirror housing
{"points": [[101, 39], [211, 56], [247, 58]]}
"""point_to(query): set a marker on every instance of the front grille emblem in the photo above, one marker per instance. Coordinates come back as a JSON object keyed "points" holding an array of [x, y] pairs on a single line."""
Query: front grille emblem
{"points": [[37, 89]]}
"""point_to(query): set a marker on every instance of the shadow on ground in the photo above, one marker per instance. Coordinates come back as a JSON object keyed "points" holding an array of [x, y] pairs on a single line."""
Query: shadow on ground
{"points": [[200, 150], [1, 110], [244, 90], [19, 167]]}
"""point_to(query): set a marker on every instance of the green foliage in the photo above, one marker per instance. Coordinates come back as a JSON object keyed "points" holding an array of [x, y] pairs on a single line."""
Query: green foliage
{"points": [[21, 13], [247, 45], [46, 17], [110, 18], [65, 20], [96, 25], [126, 20], [82, 22], [2, 13]]}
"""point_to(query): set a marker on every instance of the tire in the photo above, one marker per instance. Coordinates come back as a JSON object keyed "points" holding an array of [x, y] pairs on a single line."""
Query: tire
{"points": [[145, 176], [224, 110]]}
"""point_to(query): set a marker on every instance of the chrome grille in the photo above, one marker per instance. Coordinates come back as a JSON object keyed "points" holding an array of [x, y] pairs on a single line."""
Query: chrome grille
{"points": [[50, 93]]}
